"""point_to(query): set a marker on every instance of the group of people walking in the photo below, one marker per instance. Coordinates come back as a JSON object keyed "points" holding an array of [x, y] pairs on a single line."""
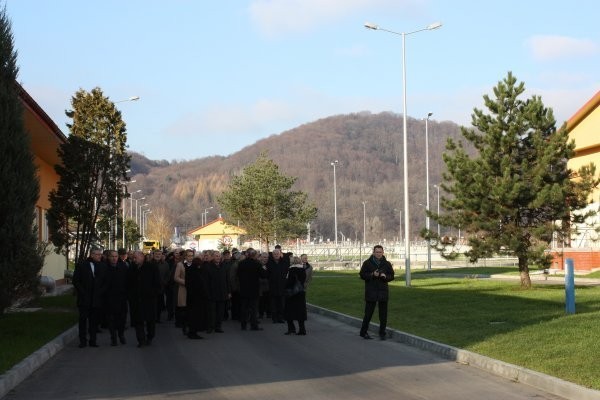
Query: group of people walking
{"points": [[197, 289]]}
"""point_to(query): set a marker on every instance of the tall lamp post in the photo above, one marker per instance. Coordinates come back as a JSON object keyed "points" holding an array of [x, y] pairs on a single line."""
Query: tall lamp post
{"points": [[364, 203], [137, 221], [333, 164], [205, 215], [131, 203], [438, 208], [123, 207], [427, 221], [404, 137], [144, 221]]}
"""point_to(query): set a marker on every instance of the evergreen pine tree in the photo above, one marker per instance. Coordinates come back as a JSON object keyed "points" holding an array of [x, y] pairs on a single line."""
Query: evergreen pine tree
{"points": [[20, 263], [261, 199], [509, 196], [94, 166]]}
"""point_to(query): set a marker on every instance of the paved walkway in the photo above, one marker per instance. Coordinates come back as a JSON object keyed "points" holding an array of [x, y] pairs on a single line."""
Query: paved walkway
{"points": [[331, 362]]}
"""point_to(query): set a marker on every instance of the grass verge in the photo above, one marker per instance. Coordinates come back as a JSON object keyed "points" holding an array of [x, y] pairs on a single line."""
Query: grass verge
{"points": [[494, 318], [22, 333]]}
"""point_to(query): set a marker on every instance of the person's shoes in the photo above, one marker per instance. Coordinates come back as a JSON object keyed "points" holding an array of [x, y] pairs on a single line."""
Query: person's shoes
{"points": [[244, 327], [290, 333], [366, 336], [148, 342], [122, 339], [219, 330], [140, 344], [194, 336], [382, 337], [280, 321], [82, 345], [93, 344], [256, 328], [113, 341], [209, 331], [302, 333]]}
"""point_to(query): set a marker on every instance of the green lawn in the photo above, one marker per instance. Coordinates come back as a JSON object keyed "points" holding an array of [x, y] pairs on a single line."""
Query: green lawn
{"points": [[22, 333], [494, 318]]}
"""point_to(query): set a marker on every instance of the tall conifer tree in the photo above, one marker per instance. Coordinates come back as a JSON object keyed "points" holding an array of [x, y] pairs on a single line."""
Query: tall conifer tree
{"points": [[94, 167], [516, 192], [20, 263]]}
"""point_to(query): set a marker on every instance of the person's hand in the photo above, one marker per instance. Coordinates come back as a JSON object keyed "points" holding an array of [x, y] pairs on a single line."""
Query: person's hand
{"points": [[376, 273], [382, 275]]}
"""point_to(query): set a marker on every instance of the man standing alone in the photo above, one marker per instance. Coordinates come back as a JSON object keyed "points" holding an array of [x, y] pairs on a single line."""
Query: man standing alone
{"points": [[376, 271], [89, 280]]}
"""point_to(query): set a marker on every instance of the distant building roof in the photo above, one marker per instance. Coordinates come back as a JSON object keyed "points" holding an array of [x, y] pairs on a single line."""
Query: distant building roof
{"points": [[217, 227]]}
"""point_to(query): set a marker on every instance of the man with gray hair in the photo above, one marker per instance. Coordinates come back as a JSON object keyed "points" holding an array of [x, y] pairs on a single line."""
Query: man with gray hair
{"points": [[144, 286], [277, 269], [89, 280]]}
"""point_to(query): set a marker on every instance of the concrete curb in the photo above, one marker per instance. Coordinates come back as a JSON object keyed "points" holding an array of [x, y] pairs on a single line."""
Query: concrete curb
{"points": [[17, 374], [538, 380]]}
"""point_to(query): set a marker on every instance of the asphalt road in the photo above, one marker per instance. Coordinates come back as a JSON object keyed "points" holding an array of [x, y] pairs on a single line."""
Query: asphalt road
{"points": [[331, 362]]}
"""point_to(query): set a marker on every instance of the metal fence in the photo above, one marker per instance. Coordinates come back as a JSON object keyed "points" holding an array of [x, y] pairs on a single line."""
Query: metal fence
{"points": [[352, 256]]}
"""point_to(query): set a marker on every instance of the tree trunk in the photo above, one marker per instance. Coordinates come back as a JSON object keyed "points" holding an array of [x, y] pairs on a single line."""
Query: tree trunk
{"points": [[524, 272]]}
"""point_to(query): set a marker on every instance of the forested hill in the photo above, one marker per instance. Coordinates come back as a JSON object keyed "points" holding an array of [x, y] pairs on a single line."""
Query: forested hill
{"points": [[368, 148]]}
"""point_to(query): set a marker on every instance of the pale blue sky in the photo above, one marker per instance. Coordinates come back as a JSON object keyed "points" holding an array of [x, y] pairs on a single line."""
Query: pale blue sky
{"points": [[216, 76]]}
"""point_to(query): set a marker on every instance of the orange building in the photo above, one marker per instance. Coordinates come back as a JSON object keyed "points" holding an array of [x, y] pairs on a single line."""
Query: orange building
{"points": [[46, 138], [584, 129]]}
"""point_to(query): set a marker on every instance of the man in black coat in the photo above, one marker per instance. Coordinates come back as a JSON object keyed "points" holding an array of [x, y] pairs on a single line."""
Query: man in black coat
{"points": [[196, 286], [249, 272], [376, 271], [219, 292], [116, 297], [143, 283], [277, 269], [89, 280]]}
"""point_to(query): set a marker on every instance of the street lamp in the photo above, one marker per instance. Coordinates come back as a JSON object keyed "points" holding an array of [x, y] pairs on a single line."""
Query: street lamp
{"points": [[123, 206], [435, 25], [144, 221], [136, 209], [399, 225], [438, 208], [205, 215], [333, 164], [131, 203], [427, 185], [132, 98], [364, 222]]}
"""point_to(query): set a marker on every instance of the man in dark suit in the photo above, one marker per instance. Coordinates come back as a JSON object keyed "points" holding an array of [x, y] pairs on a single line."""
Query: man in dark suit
{"points": [[249, 272], [89, 280], [277, 269], [116, 297], [143, 281]]}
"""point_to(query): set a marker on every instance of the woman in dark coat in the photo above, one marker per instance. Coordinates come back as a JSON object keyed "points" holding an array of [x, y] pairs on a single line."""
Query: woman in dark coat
{"points": [[295, 305]]}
